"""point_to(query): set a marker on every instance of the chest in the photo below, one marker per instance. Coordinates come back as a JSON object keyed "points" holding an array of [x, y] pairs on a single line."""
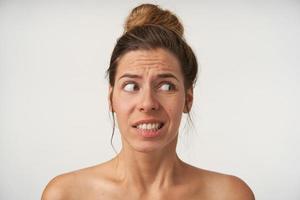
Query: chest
{"points": [[120, 194]]}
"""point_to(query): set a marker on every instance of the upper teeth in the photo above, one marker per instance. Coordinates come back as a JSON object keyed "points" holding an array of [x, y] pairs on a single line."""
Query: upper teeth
{"points": [[148, 126]]}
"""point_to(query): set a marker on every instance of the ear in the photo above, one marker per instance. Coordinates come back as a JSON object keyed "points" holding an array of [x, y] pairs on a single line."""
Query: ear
{"points": [[188, 100], [110, 93]]}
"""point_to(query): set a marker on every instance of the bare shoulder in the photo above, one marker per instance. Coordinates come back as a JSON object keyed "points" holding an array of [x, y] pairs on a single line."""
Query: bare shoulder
{"points": [[76, 184], [235, 188], [217, 186], [57, 188], [228, 187]]}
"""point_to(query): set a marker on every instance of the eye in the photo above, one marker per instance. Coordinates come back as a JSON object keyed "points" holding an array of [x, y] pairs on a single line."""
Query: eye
{"points": [[167, 87], [130, 87]]}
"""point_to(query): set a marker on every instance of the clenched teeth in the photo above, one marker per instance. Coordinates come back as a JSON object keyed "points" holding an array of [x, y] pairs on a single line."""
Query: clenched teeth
{"points": [[150, 126]]}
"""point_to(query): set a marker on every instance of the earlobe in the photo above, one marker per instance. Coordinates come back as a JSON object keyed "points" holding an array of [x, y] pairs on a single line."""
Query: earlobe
{"points": [[188, 100]]}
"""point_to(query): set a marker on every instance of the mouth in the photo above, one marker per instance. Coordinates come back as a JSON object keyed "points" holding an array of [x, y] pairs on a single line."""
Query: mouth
{"points": [[149, 126], [149, 129]]}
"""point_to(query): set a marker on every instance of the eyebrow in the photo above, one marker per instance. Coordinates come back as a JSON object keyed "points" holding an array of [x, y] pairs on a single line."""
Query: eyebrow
{"points": [[130, 76], [167, 75], [164, 75]]}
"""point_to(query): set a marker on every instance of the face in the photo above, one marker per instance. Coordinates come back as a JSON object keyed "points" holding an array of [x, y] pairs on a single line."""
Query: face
{"points": [[148, 99]]}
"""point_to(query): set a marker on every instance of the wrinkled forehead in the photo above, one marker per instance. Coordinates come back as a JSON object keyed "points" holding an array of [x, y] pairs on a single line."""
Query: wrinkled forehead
{"points": [[143, 62]]}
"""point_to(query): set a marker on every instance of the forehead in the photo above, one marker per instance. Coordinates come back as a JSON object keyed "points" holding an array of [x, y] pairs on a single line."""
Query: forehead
{"points": [[146, 61]]}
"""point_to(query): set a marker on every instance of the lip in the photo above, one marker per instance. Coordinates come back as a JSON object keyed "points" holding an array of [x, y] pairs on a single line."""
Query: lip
{"points": [[149, 134]]}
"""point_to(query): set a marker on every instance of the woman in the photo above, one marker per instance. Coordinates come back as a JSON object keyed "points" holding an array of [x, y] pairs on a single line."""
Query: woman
{"points": [[151, 75]]}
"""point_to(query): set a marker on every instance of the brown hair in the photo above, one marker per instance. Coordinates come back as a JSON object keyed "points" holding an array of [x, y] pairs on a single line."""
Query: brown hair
{"points": [[149, 27]]}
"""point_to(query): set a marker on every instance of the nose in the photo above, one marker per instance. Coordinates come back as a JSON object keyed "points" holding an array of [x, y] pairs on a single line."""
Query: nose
{"points": [[148, 101]]}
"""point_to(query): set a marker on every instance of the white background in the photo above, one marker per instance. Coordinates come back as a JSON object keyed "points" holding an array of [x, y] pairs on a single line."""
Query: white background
{"points": [[54, 114]]}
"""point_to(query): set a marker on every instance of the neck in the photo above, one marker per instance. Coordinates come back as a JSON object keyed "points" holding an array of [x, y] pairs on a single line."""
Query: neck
{"points": [[148, 170]]}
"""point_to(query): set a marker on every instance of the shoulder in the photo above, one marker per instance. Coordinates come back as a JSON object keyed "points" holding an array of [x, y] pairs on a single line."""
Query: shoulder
{"points": [[235, 188], [65, 186], [77, 183], [229, 187], [57, 188], [218, 186]]}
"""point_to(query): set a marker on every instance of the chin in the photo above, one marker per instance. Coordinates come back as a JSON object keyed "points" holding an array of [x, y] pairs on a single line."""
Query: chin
{"points": [[143, 147], [159, 143], [155, 146]]}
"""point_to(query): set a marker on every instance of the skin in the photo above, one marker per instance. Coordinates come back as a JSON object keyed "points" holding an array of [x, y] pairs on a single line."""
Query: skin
{"points": [[148, 168]]}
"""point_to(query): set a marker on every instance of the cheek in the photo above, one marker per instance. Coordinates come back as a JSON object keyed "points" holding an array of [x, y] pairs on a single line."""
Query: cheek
{"points": [[174, 107], [175, 113], [122, 102], [123, 107]]}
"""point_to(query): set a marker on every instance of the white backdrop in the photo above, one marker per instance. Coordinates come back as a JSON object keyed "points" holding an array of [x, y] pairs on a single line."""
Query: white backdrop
{"points": [[54, 114]]}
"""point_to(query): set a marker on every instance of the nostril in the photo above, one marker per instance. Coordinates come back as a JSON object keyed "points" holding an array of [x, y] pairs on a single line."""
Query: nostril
{"points": [[148, 108]]}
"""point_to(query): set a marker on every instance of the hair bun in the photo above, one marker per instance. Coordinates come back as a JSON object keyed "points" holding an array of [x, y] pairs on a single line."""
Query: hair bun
{"points": [[146, 14]]}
